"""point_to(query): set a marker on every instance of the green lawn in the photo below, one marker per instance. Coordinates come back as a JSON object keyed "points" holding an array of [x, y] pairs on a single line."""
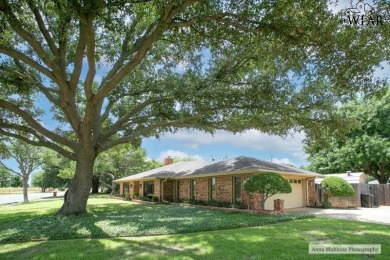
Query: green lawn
{"points": [[288, 240], [285, 240], [115, 218]]}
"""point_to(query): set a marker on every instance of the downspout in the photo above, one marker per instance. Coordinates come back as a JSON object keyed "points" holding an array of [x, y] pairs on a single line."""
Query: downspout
{"points": [[162, 190]]}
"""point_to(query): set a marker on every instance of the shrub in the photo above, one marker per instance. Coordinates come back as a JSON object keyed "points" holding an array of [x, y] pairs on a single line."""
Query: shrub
{"points": [[327, 204], [155, 199], [336, 186], [127, 197], [267, 184], [144, 198]]}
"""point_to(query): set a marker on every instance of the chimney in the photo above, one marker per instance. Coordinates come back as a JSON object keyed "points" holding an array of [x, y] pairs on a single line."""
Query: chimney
{"points": [[168, 160], [349, 173]]}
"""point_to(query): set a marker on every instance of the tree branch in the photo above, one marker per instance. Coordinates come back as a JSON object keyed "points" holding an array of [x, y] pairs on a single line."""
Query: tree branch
{"points": [[37, 126], [9, 169], [144, 46], [43, 29], [47, 144], [32, 63], [125, 139], [15, 24], [113, 129], [90, 38], [78, 60]]}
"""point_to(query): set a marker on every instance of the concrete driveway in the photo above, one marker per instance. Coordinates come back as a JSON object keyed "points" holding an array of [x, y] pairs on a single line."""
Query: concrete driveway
{"points": [[380, 215]]}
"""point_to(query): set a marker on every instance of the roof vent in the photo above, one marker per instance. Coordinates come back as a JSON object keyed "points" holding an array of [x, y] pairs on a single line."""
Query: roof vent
{"points": [[349, 173]]}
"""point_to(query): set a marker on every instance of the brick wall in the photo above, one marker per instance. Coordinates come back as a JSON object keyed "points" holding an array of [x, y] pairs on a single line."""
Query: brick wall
{"points": [[184, 189], [224, 188], [157, 189], [311, 193], [202, 189]]}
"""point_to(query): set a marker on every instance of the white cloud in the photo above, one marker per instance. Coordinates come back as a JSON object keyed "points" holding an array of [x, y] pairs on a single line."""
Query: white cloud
{"points": [[177, 154], [282, 161], [252, 139]]}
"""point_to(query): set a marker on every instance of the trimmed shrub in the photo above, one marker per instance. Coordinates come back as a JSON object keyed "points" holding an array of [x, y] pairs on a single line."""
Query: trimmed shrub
{"points": [[155, 199], [127, 197], [335, 186], [267, 184]]}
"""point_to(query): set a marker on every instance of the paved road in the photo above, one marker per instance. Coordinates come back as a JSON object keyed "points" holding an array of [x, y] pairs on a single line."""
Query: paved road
{"points": [[12, 198], [379, 215]]}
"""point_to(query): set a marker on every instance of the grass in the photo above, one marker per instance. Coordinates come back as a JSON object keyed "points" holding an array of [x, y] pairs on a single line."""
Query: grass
{"points": [[287, 240], [115, 218]]}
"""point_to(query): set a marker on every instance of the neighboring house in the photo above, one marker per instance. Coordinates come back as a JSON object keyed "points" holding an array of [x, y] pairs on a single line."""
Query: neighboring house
{"points": [[356, 179], [219, 181], [350, 177]]}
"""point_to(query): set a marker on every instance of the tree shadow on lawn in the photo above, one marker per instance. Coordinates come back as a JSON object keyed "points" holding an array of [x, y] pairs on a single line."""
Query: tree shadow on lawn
{"points": [[282, 241], [116, 220]]}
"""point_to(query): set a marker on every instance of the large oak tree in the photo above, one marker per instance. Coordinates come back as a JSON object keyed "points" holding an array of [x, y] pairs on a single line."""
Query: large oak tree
{"points": [[114, 72]]}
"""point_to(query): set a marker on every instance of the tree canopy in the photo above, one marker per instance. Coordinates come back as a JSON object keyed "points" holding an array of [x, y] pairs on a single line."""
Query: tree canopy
{"points": [[266, 185], [364, 145], [114, 72]]}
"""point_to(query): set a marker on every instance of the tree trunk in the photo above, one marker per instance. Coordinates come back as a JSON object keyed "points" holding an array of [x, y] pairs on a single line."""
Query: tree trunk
{"points": [[262, 203], [76, 197], [25, 186], [383, 179]]}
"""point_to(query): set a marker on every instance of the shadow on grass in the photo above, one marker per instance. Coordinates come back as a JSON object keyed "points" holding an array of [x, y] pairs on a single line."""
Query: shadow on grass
{"points": [[129, 219], [281, 241]]}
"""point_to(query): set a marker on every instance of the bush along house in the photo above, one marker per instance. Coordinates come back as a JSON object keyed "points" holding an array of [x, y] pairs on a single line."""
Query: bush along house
{"points": [[220, 181]]}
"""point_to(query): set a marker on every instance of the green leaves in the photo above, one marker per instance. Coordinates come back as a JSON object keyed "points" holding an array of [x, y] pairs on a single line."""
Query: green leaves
{"points": [[337, 186], [364, 145], [268, 184]]}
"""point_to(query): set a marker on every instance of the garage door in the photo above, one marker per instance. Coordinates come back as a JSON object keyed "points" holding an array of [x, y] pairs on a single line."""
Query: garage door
{"points": [[291, 200]]}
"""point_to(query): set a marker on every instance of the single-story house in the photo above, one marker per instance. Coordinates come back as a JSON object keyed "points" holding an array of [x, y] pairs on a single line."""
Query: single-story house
{"points": [[219, 181]]}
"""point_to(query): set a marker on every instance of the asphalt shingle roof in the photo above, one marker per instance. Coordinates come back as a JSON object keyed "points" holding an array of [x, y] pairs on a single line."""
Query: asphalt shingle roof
{"points": [[200, 167]]}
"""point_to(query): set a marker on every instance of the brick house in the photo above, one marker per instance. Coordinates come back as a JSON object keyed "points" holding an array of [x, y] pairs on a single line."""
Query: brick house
{"points": [[219, 181]]}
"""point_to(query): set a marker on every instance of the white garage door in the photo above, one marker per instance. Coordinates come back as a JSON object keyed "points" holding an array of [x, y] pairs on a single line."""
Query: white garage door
{"points": [[291, 200]]}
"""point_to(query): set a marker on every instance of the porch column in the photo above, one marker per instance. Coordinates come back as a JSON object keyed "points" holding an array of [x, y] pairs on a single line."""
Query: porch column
{"points": [[121, 188]]}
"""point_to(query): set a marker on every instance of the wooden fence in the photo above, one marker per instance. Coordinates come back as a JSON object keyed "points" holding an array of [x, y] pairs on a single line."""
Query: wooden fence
{"points": [[380, 192]]}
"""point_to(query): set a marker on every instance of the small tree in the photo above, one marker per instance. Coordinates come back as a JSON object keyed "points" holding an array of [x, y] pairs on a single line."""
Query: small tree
{"points": [[335, 186], [27, 157], [267, 184]]}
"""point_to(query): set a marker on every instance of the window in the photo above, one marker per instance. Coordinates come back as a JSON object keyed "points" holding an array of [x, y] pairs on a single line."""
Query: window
{"points": [[237, 189], [148, 188], [193, 189], [212, 189]]}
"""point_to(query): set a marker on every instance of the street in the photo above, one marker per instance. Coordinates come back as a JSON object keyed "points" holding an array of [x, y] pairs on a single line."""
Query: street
{"points": [[12, 198]]}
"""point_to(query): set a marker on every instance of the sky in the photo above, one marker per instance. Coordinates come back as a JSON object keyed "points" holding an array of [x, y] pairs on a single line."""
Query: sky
{"points": [[221, 145]]}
